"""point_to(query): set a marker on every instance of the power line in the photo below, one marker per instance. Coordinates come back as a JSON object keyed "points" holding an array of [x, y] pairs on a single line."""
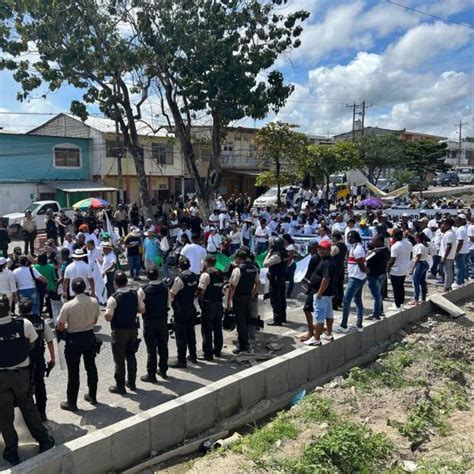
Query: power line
{"points": [[406, 7]]}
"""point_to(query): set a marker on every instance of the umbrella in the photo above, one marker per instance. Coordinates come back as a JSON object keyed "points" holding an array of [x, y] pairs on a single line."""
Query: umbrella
{"points": [[91, 203], [371, 202]]}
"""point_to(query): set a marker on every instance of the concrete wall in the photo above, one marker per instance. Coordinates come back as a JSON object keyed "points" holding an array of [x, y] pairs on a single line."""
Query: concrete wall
{"points": [[269, 385]]}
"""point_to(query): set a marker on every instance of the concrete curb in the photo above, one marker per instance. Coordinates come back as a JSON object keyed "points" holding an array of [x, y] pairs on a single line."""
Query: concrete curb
{"points": [[231, 402]]}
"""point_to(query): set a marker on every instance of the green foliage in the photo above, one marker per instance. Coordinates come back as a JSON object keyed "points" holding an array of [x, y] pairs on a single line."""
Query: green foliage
{"points": [[451, 397], [279, 146], [435, 466], [402, 177], [315, 408], [379, 152], [263, 439], [347, 447]]}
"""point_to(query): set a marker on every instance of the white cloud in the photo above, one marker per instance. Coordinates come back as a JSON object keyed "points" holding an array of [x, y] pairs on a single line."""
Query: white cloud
{"points": [[385, 18], [426, 41], [447, 7]]}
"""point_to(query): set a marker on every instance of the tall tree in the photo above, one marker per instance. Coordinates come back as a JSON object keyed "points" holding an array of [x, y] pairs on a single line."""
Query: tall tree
{"points": [[209, 57], [378, 153], [80, 42], [321, 161], [279, 147], [424, 158]]}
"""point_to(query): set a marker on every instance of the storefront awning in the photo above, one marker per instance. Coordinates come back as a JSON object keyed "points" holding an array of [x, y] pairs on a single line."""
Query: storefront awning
{"points": [[80, 186]]}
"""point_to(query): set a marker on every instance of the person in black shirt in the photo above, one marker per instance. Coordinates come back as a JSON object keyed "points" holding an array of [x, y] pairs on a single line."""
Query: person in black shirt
{"points": [[339, 260], [377, 262], [308, 306], [322, 285]]}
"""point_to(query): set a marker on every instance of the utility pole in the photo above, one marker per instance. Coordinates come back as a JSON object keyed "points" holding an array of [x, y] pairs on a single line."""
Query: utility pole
{"points": [[358, 110], [460, 125], [119, 155]]}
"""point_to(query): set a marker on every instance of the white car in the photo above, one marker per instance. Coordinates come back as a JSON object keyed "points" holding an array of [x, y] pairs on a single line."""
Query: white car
{"points": [[466, 175], [270, 198]]}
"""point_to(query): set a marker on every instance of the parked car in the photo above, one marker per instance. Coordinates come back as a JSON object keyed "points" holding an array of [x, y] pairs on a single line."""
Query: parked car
{"points": [[38, 211], [466, 174], [385, 185], [415, 184], [451, 178], [270, 197]]}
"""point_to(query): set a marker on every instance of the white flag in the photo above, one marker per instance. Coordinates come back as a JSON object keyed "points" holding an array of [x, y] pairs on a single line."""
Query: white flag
{"points": [[113, 236], [301, 268]]}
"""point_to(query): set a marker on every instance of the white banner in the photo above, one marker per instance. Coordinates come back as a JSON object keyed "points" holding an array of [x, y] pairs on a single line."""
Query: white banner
{"points": [[415, 213]]}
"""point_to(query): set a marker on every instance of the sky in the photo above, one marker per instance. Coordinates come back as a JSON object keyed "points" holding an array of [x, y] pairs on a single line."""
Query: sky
{"points": [[414, 70]]}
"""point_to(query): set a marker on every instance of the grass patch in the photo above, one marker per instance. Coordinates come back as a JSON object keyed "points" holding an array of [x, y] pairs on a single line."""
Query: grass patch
{"points": [[347, 447], [315, 408], [451, 397], [263, 439], [435, 466], [388, 372]]}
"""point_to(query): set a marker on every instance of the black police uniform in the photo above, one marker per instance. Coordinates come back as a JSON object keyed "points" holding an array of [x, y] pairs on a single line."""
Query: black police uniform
{"points": [[16, 389], [38, 363], [277, 279], [185, 316], [242, 302], [212, 314], [155, 326], [125, 336]]}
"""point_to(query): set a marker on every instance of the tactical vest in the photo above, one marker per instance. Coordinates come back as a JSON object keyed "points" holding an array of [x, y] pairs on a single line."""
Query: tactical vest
{"points": [[125, 315], [213, 291], [278, 271], [156, 301], [37, 354], [14, 346], [248, 273], [185, 297]]}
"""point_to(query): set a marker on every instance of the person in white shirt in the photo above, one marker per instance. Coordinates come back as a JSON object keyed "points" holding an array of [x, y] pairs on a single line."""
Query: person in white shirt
{"points": [[357, 273], [107, 269], [25, 277], [262, 235], [68, 243], [195, 254], [399, 266], [447, 252], [164, 250], [421, 256], [470, 235], [224, 219], [214, 242], [462, 249], [339, 225], [7, 282], [235, 237], [78, 269]]}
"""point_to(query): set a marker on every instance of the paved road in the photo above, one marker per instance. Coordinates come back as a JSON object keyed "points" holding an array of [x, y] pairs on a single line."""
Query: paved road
{"points": [[112, 408], [445, 191]]}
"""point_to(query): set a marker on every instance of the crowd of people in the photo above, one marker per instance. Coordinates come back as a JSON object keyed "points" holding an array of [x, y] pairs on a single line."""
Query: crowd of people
{"points": [[80, 269]]}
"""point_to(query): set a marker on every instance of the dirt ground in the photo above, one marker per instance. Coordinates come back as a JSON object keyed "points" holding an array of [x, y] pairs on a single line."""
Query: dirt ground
{"points": [[418, 396]]}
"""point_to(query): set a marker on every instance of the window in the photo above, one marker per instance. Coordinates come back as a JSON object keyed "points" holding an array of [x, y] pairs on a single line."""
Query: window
{"points": [[67, 156], [228, 147], [112, 148], [161, 154]]}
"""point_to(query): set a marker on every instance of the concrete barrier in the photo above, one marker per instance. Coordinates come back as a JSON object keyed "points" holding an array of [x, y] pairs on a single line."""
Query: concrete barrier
{"points": [[272, 383]]}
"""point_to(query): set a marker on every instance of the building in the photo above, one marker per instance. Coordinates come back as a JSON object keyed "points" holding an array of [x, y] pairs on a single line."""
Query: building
{"points": [[45, 168], [404, 134], [164, 167], [460, 154]]}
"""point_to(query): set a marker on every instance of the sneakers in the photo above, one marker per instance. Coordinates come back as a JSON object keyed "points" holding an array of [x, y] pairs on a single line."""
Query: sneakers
{"points": [[413, 303], [312, 342], [360, 328], [327, 337], [340, 328], [373, 318], [455, 286]]}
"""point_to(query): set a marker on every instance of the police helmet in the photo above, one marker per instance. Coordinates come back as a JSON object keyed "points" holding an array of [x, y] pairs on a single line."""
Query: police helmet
{"points": [[278, 243], [184, 263], [25, 306]]}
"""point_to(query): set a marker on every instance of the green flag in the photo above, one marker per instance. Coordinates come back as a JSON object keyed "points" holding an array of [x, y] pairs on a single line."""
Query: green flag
{"points": [[222, 262], [260, 258], [158, 260]]}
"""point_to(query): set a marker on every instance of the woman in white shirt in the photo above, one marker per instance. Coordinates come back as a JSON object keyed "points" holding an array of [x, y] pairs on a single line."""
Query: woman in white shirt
{"points": [[25, 277], [421, 254], [235, 238], [164, 250], [7, 281], [173, 225], [213, 242]]}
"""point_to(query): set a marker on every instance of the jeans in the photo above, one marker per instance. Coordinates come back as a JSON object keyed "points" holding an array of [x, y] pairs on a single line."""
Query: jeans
{"points": [[375, 286], [419, 280], [437, 267], [134, 265], [353, 292], [323, 309], [448, 268], [471, 255], [398, 286], [32, 294], [461, 268]]}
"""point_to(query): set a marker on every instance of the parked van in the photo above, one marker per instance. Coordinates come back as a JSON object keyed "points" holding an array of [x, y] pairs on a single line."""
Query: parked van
{"points": [[466, 174]]}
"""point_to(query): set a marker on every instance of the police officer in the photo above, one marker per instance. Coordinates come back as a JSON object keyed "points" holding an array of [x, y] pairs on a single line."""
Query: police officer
{"points": [[78, 318], [210, 292], [45, 335], [16, 339], [182, 296], [122, 309], [277, 261], [155, 325], [243, 288]]}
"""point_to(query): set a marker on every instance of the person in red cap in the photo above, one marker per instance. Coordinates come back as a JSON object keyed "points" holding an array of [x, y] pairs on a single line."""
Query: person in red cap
{"points": [[322, 283]]}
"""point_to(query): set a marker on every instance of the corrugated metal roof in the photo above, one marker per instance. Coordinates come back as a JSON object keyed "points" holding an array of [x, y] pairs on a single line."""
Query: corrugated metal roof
{"points": [[79, 186]]}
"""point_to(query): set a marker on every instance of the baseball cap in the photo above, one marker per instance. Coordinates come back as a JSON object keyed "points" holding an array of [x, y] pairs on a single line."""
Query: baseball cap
{"points": [[325, 244]]}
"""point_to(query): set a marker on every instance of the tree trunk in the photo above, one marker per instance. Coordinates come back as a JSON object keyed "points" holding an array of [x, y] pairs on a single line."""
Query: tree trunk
{"points": [[139, 161], [278, 170]]}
